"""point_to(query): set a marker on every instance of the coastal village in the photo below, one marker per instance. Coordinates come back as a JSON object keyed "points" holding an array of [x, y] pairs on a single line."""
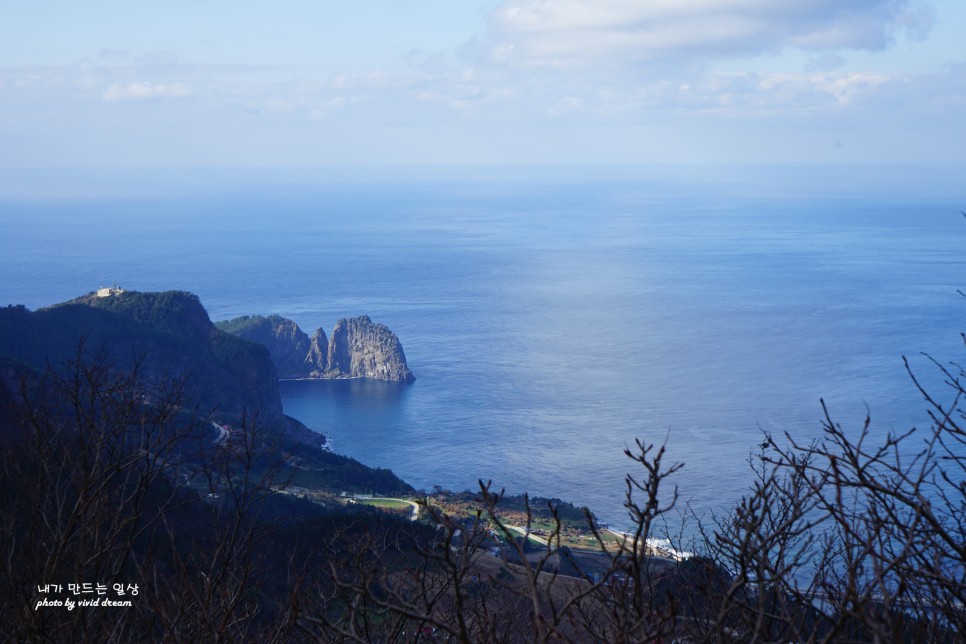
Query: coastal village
{"points": [[573, 545]]}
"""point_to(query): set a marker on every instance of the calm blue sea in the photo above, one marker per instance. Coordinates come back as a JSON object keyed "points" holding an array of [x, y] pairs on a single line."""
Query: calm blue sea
{"points": [[550, 316]]}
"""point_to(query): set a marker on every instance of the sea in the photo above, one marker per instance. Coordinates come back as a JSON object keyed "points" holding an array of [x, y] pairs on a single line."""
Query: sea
{"points": [[552, 316]]}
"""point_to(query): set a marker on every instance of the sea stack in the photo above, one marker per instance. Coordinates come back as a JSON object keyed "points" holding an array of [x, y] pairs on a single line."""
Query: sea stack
{"points": [[360, 348], [357, 348]]}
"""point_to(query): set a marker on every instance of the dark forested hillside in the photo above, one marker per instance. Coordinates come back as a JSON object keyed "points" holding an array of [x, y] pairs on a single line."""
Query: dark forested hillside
{"points": [[168, 333], [112, 489]]}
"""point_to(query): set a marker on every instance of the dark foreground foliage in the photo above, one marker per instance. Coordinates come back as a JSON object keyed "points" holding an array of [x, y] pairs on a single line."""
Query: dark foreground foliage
{"points": [[108, 480]]}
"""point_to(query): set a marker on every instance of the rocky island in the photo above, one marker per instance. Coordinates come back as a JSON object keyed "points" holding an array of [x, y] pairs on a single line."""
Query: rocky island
{"points": [[357, 348]]}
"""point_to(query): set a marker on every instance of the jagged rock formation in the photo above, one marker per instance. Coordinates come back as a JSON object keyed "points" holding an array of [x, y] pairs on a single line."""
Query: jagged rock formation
{"points": [[358, 348], [361, 349], [318, 356]]}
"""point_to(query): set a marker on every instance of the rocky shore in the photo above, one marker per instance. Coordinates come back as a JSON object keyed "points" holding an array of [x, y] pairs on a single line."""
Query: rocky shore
{"points": [[357, 348]]}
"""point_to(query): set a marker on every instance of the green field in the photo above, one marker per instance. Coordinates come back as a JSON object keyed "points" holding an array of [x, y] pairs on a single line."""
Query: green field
{"points": [[391, 504]]}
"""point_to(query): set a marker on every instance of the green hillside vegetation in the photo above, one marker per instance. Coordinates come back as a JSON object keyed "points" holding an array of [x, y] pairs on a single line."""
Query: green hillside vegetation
{"points": [[178, 313], [243, 323]]}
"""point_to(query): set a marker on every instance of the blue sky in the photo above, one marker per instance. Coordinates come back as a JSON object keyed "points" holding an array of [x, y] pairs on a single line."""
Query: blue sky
{"points": [[213, 82]]}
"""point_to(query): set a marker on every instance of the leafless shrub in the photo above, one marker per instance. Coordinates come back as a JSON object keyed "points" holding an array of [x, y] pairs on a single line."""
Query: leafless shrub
{"points": [[109, 479], [857, 536], [854, 537]]}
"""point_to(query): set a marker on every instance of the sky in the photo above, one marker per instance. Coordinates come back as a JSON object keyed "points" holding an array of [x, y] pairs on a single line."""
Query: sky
{"points": [[147, 83]]}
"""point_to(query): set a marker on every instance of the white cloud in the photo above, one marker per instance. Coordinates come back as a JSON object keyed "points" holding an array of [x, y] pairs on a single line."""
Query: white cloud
{"points": [[731, 95], [586, 32], [847, 88], [141, 91]]}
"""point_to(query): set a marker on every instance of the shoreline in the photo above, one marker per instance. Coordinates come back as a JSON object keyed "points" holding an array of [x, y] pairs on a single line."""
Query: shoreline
{"points": [[402, 382]]}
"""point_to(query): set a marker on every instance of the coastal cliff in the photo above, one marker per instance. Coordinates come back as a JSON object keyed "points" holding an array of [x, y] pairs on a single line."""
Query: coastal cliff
{"points": [[360, 348], [357, 348], [288, 345], [167, 334], [318, 354]]}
